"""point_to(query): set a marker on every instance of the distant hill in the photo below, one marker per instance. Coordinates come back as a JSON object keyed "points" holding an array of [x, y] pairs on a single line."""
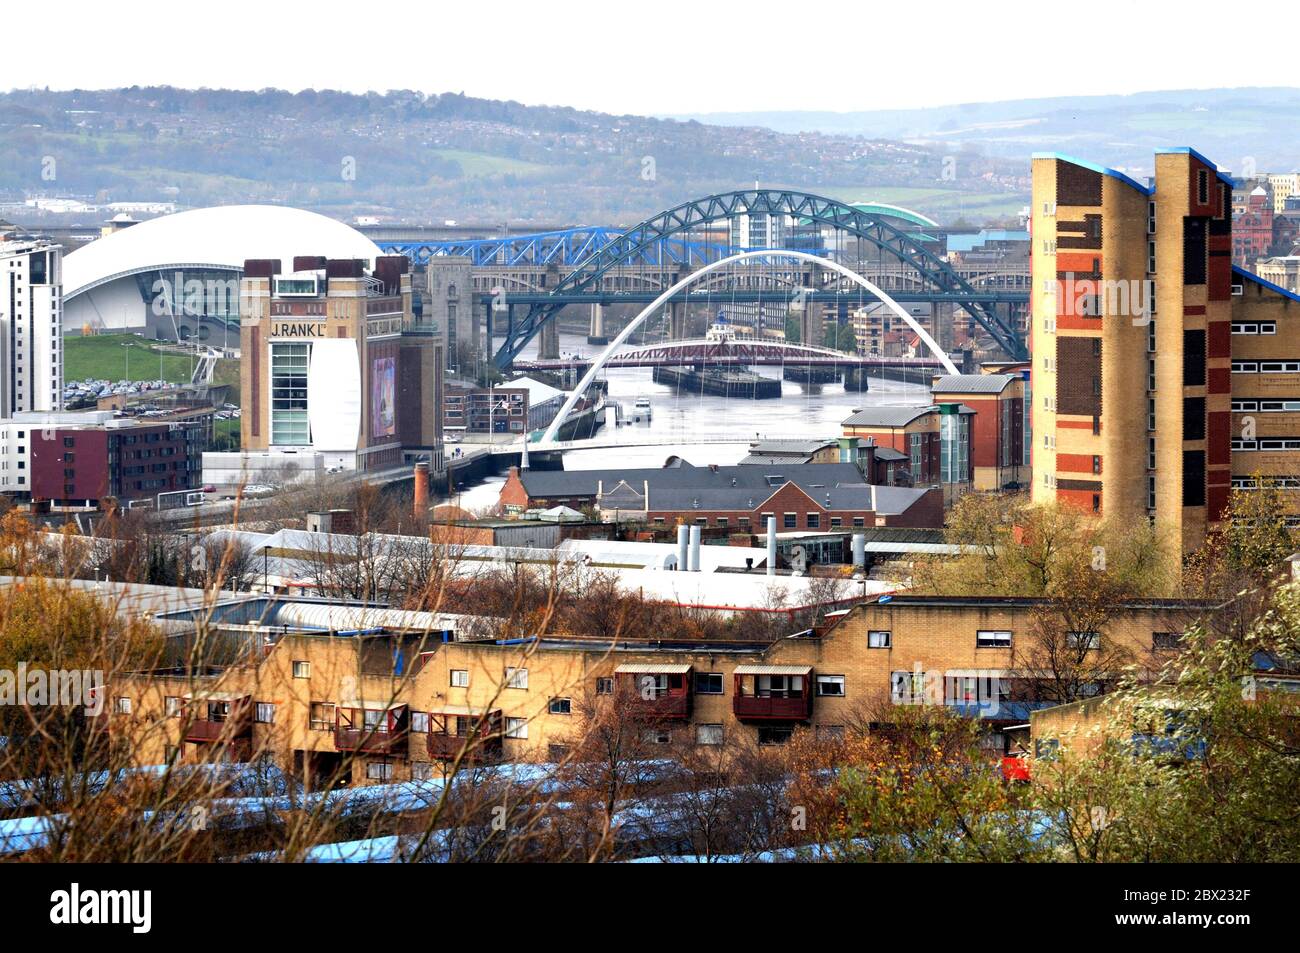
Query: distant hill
{"points": [[406, 156], [1230, 126]]}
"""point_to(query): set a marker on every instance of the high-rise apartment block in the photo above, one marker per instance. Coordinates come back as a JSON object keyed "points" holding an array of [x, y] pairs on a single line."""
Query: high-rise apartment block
{"points": [[1162, 375], [31, 306]]}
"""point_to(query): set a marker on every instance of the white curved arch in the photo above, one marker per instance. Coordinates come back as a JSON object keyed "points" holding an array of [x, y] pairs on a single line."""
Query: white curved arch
{"points": [[554, 428]]}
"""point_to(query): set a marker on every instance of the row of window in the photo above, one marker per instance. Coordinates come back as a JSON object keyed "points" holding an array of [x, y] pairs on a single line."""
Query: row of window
{"points": [[1280, 482], [1290, 443], [1260, 327], [1266, 367], [1265, 406], [789, 521]]}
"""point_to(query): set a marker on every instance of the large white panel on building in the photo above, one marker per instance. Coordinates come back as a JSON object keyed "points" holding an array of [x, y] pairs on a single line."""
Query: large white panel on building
{"points": [[334, 394]]}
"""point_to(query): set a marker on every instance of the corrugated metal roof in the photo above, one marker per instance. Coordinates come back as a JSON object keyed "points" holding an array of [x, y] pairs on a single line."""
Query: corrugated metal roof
{"points": [[773, 670], [660, 669], [971, 383], [887, 416]]}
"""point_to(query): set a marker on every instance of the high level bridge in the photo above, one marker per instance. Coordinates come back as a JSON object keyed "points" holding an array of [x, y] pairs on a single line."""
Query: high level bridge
{"points": [[520, 283]]}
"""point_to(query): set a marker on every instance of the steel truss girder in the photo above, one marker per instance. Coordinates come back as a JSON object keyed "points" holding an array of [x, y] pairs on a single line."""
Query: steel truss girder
{"points": [[724, 206]]}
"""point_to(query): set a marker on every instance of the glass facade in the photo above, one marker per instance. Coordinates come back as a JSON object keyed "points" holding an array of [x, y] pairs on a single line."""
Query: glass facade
{"points": [[954, 444], [289, 421]]}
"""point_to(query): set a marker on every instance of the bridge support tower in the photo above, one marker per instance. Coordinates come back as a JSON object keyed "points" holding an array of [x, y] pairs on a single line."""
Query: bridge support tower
{"points": [[856, 379], [548, 341], [597, 333]]}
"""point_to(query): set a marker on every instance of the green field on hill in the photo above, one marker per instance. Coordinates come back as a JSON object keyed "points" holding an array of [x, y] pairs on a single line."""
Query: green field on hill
{"points": [[120, 357]]}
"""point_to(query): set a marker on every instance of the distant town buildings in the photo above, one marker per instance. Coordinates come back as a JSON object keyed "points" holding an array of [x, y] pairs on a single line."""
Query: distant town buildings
{"points": [[515, 407]]}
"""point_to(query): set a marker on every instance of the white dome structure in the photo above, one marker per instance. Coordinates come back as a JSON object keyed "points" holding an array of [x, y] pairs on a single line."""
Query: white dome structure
{"points": [[110, 283]]}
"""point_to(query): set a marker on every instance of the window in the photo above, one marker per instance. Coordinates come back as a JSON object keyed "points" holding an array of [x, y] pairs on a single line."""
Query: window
{"points": [[708, 734], [791, 521], [557, 753], [123, 705], [302, 669], [172, 706], [1193, 418], [460, 678], [879, 639], [1194, 477], [516, 678], [264, 713], [561, 706], [830, 686], [657, 736], [1166, 640], [830, 732], [604, 686], [321, 716], [1088, 641], [171, 754], [289, 417], [992, 639], [708, 683], [774, 734], [517, 728], [379, 771], [421, 771], [420, 721], [814, 520]]}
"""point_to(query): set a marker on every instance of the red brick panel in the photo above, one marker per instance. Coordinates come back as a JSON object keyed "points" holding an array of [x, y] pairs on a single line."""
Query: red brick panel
{"points": [[1219, 438]]}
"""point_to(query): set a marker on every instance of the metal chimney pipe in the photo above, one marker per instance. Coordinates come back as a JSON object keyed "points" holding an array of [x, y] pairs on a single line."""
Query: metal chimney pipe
{"points": [[771, 545], [695, 549], [859, 550], [683, 547]]}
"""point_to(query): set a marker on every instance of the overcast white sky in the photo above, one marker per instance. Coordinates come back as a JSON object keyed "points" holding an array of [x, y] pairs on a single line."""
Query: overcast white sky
{"points": [[638, 56]]}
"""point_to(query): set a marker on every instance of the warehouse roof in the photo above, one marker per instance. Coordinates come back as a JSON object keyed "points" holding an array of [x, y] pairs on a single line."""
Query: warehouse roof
{"points": [[971, 383]]}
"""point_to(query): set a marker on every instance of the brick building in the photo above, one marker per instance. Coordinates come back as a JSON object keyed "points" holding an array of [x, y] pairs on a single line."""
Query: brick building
{"points": [[336, 362], [809, 496], [996, 429], [1162, 376], [398, 705], [1252, 227], [79, 464]]}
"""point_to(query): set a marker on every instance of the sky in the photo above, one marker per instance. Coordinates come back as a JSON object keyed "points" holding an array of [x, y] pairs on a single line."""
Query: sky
{"points": [[650, 57]]}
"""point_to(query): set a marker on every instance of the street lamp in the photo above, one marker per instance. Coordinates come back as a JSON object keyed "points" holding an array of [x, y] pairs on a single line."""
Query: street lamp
{"points": [[266, 557]]}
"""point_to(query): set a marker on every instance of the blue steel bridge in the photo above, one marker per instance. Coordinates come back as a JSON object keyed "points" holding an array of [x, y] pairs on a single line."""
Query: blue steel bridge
{"points": [[523, 281]]}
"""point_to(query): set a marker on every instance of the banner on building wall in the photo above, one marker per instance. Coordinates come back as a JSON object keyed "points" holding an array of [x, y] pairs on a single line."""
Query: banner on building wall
{"points": [[383, 393]]}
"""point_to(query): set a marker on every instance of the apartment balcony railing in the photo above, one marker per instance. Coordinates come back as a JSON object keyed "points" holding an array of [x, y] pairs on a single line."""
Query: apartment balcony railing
{"points": [[767, 708]]}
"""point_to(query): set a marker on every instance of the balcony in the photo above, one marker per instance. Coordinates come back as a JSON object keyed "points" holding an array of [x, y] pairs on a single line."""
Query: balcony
{"points": [[655, 692], [479, 734], [372, 728], [773, 692], [219, 717]]}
